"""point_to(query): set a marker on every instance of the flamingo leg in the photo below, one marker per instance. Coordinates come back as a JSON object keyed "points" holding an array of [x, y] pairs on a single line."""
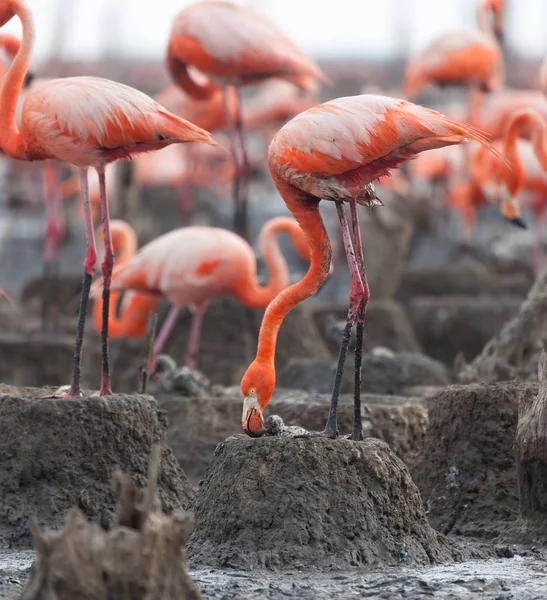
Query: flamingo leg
{"points": [[360, 327], [89, 269], [241, 225], [235, 128], [163, 335], [53, 237], [357, 297], [538, 245], [106, 266], [195, 336]]}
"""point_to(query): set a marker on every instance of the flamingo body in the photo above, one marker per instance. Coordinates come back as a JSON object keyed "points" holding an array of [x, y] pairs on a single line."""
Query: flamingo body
{"points": [[90, 121]]}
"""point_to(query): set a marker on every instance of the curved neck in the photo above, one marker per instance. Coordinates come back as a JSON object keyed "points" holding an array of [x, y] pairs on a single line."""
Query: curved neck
{"points": [[124, 241], [10, 136], [305, 209], [252, 294], [179, 72], [538, 126]]}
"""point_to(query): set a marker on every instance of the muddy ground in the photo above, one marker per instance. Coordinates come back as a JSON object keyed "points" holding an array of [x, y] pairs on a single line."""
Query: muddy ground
{"points": [[287, 504], [522, 577]]}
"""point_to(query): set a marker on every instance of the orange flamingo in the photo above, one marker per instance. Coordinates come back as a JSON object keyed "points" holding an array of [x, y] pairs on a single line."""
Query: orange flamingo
{"points": [[468, 57], [334, 151], [134, 310], [526, 169], [234, 45], [87, 122], [192, 265], [490, 112]]}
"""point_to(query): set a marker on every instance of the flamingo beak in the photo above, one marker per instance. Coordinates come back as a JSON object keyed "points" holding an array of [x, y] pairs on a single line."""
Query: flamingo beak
{"points": [[511, 208], [252, 420]]}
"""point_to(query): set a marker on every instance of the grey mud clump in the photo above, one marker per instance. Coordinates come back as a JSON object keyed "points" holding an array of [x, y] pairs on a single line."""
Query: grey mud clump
{"points": [[286, 502], [58, 454]]}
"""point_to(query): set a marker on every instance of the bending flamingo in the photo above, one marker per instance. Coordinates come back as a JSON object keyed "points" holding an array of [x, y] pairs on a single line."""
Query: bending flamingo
{"points": [[132, 319], [192, 265], [88, 122], [234, 45], [333, 152], [526, 169]]}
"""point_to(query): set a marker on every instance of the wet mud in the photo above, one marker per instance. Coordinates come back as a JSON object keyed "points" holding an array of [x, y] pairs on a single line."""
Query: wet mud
{"points": [[466, 469], [196, 425], [284, 502], [61, 453]]}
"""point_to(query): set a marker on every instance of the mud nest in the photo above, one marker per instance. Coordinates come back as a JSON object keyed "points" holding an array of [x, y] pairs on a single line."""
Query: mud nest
{"points": [[61, 453], [286, 502], [466, 468]]}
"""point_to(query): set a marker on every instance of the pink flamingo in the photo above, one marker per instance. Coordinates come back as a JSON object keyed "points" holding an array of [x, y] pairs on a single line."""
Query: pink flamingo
{"points": [[87, 122], [192, 265], [234, 45], [334, 151]]}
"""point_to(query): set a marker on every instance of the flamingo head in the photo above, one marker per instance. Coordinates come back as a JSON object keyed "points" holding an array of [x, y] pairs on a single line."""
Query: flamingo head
{"points": [[257, 387], [510, 206]]}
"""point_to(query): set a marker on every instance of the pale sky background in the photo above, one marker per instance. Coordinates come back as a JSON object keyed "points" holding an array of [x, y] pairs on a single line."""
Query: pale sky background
{"points": [[139, 28]]}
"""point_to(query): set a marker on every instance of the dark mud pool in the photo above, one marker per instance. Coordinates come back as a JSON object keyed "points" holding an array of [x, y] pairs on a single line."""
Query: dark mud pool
{"points": [[517, 578]]}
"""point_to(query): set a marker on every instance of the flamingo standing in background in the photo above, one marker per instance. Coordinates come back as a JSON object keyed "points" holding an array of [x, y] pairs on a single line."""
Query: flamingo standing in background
{"points": [[192, 265], [468, 57], [234, 45], [490, 113], [87, 122], [335, 151], [526, 169], [132, 319]]}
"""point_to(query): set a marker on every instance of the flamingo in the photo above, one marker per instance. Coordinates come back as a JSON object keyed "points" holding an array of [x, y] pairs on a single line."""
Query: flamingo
{"points": [[234, 45], [192, 265], [335, 151], [87, 122], [489, 113], [135, 308], [526, 169], [468, 57]]}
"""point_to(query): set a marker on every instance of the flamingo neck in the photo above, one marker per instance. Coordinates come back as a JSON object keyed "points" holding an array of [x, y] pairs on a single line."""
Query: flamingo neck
{"points": [[539, 140], [305, 209], [11, 139], [256, 296], [179, 72]]}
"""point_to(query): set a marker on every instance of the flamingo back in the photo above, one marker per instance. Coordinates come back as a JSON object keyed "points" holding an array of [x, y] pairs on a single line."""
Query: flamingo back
{"points": [[89, 121], [188, 265], [334, 150], [235, 42]]}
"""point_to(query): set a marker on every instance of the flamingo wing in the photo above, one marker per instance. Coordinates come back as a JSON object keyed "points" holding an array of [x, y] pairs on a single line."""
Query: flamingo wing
{"points": [[83, 119], [347, 143], [231, 41]]}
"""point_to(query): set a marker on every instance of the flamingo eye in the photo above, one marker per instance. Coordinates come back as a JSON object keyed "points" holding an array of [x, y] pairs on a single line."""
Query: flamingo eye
{"points": [[252, 392]]}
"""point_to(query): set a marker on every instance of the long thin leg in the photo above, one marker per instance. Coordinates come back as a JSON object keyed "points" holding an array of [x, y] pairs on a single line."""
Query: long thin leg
{"points": [[194, 337], [107, 266], [89, 268], [164, 333], [241, 225], [361, 312], [53, 238], [355, 298]]}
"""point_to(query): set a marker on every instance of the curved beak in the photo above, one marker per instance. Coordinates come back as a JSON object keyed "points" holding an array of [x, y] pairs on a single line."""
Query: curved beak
{"points": [[510, 208], [252, 419]]}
